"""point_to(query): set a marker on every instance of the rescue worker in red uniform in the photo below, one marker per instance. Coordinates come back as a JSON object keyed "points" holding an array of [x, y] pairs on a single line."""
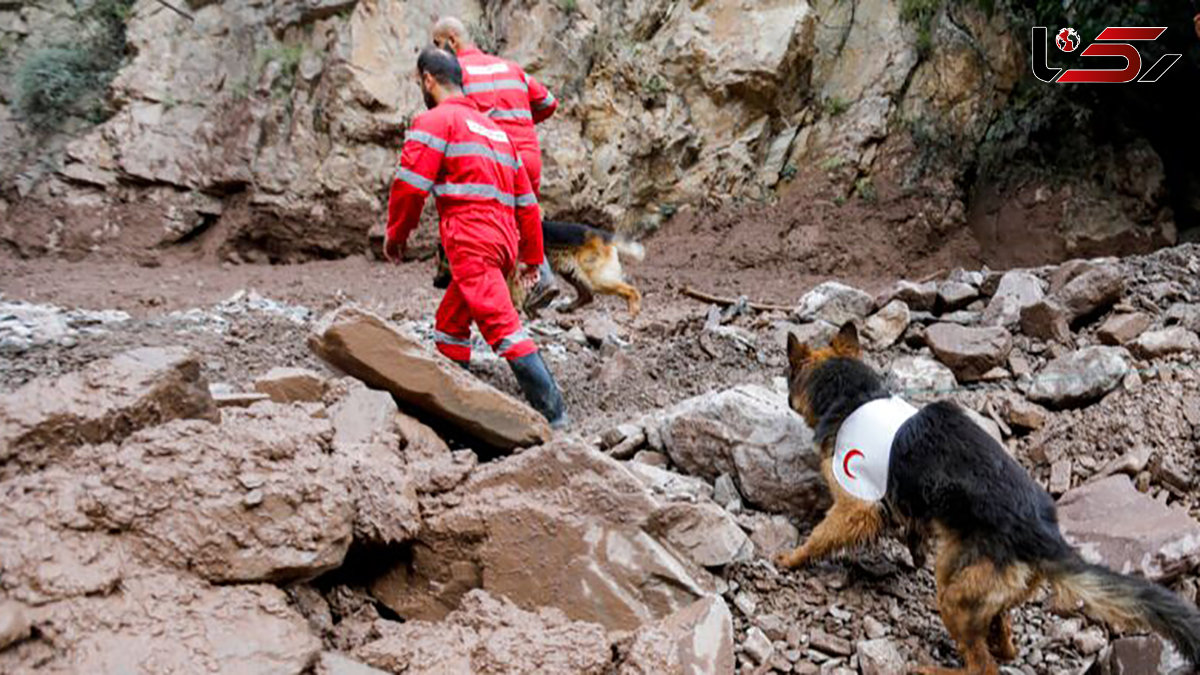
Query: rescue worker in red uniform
{"points": [[490, 225], [516, 102]]}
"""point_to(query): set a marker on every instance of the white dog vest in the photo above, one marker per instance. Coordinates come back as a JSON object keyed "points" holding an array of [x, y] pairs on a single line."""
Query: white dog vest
{"points": [[863, 447]]}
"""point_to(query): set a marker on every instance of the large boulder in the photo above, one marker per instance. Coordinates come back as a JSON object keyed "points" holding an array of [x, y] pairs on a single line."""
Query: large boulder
{"points": [[490, 634], [557, 526], [1091, 292], [380, 354], [253, 499], [1017, 290], [751, 434], [835, 303], [969, 352], [106, 401], [1113, 524], [161, 623], [696, 640], [1079, 378]]}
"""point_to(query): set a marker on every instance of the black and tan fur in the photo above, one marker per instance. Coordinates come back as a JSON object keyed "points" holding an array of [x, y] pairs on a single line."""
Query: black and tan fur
{"points": [[996, 530], [587, 258]]}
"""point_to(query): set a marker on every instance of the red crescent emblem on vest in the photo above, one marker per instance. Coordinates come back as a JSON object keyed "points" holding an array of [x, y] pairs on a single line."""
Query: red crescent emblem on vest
{"points": [[846, 462]]}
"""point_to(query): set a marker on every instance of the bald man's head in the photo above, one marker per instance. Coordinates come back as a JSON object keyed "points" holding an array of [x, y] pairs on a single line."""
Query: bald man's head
{"points": [[450, 33]]}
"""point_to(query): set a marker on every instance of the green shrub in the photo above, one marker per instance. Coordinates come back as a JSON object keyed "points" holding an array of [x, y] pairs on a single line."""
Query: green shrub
{"points": [[68, 79], [288, 57]]}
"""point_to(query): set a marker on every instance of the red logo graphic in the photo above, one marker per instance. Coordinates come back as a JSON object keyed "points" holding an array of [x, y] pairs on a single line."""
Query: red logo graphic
{"points": [[1067, 40], [846, 462], [1111, 42]]}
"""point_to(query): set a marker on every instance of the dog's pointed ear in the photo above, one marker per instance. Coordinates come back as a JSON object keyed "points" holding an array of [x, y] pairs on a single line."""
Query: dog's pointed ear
{"points": [[845, 343], [798, 352]]}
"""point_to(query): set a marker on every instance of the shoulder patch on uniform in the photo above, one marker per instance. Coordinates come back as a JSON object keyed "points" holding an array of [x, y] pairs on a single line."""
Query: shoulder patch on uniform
{"points": [[492, 134], [490, 69]]}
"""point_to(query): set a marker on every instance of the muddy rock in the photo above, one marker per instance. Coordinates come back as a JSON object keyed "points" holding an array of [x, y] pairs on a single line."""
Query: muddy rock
{"points": [[1048, 320], [106, 401], [969, 352], [162, 623], [696, 640], [14, 623], [253, 499], [1142, 655], [879, 657], [490, 634], [1159, 343], [1121, 329], [1020, 413], [381, 355], [1079, 378], [670, 486], [835, 303], [773, 534], [887, 325], [1113, 524], [955, 295], [920, 374], [704, 532], [1017, 290], [750, 433], [333, 663], [1090, 293], [431, 465], [557, 526], [367, 441], [291, 385], [1184, 314], [918, 297], [758, 646]]}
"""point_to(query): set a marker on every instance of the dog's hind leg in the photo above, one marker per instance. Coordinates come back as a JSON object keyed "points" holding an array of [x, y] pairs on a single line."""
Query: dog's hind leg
{"points": [[583, 292]]}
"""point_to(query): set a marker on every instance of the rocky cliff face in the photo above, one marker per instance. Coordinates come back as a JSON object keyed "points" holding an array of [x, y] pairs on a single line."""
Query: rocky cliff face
{"points": [[268, 130]]}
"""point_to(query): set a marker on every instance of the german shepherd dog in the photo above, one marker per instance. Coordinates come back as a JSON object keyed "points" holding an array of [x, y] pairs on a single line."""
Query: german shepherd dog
{"points": [[996, 530], [588, 258]]}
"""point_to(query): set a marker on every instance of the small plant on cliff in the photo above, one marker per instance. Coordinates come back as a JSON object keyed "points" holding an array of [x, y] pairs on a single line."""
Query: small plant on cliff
{"points": [[568, 7], [835, 106], [69, 79], [921, 13], [288, 57]]}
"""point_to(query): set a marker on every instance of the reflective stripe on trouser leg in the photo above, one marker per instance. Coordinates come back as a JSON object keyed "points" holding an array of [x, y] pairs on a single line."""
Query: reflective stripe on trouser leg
{"points": [[515, 346], [452, 327]]}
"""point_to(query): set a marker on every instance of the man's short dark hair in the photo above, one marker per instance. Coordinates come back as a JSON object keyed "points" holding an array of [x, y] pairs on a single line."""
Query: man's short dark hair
{"points": [[442, 65]]}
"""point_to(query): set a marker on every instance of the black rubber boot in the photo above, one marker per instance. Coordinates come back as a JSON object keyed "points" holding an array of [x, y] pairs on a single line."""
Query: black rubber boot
{"points": [[441, 280], [539, 388], [543, 292]]}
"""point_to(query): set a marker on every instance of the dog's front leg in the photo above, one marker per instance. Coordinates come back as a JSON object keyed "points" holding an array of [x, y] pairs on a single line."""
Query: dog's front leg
{"points": [[850, 522]]}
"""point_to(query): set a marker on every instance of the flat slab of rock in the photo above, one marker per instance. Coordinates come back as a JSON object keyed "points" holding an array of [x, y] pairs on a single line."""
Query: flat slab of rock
{"points": [[106, 401], [919, 297], [696, 640], [969, 352], [490, 634], [1142, 655], [291, 385], [1017, 290], [561, 526], [1079, 378], [835, 303], [704, 532], [1121, 329], [380, 354], [1159, 343], [887, 325], [920, 375], [750, 433], [1113, 524]]}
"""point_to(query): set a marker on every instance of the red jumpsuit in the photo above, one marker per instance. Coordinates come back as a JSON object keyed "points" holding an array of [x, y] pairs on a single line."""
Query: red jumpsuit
{"points": [[513, 100], [489, 221]]}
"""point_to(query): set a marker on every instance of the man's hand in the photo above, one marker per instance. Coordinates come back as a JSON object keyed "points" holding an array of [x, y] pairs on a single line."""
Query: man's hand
{"points": [[1196, 21], [393, 250], [528, 275]]}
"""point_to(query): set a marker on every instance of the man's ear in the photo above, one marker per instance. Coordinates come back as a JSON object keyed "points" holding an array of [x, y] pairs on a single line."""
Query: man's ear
{"points": [[798, 352], [845, 343]]}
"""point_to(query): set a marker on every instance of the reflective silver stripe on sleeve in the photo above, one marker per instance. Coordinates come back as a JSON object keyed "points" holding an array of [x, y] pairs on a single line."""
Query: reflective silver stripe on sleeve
{"points": [[544, 103], [510, 114], [512, 341], [414, 179], [480, 150], [474, 190], [527, 200], [476, 87], [443, 338], [425, 138]]}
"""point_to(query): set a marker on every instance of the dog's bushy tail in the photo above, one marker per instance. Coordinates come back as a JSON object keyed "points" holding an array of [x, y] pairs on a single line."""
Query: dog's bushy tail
{"points": [[629, 248], [1126, 601]]}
